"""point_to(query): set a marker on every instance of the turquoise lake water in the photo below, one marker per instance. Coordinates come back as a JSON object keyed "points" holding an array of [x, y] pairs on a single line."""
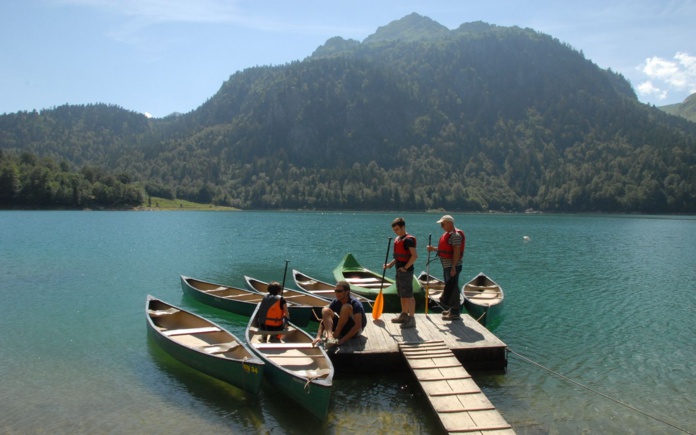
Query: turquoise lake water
{"points": [[606, 301]]}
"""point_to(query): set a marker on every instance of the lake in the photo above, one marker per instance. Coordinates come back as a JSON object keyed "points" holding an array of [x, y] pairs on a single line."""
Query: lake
{"points": [[605, 301]]}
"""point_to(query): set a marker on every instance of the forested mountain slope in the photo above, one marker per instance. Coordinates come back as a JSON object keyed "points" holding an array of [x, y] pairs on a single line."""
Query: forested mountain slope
{"points": [[414, 117]]}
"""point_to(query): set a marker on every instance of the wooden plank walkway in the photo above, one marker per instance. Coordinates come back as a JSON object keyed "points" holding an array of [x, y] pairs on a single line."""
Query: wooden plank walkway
{"points": [[459, 403], [475, 346]]}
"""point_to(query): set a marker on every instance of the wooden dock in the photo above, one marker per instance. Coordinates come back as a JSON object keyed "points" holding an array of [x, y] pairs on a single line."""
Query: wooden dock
{"points": [[438, 353], [454, 396], [378, 347]]}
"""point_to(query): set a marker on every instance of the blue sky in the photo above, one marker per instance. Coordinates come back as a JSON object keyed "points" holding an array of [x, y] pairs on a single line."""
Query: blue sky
{"points": [[163, 56]]}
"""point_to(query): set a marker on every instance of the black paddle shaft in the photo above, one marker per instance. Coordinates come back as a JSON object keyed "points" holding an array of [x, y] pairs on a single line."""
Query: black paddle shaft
{"points": [[285, 274], [384, 269]]}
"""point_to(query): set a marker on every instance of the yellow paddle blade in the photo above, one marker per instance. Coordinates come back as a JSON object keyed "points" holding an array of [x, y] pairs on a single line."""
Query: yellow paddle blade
{"points": [[378, 306]]}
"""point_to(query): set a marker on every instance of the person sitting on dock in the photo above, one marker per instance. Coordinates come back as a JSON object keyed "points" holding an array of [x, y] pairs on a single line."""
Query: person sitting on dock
{"points": [[273, 313], [343, 319]]}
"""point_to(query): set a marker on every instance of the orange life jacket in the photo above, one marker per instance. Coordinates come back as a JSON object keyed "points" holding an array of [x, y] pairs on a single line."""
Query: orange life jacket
{"points": [[270, 312], [401, 253], [445, 250]]}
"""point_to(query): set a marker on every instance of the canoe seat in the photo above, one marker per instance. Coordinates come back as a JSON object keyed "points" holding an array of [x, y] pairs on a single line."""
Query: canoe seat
{"points": [[160, 313], [283, 345], [373, 285], [258, 331], [481, 288], [361, 280], [482, 295], [219, 348], [202, 330], [240, 295]]}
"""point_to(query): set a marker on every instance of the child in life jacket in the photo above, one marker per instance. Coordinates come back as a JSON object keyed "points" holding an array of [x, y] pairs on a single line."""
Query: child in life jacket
{"points": [[273, 313]]}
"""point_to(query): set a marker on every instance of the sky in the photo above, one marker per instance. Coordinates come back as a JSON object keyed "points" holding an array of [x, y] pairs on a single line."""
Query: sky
{"points": [[158, 57]]}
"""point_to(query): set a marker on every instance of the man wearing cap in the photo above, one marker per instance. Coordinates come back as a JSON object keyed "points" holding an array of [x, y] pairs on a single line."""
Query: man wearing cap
{"points": [[450, 249]]}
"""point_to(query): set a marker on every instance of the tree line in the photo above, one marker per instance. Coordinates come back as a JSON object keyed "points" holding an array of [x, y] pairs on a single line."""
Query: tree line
{"points": [[27, 181], [474, 119]]}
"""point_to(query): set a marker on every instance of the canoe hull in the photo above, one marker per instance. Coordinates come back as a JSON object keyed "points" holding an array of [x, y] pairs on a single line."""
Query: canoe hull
{"points": [[236, 300], [366, 283], [245, 372], [483, 299], [294, 297], [324, 289], [300, 371]]}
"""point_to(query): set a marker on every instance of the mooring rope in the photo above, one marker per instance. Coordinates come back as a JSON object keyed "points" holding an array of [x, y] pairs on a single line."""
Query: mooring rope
{"points": [[631, 407]]}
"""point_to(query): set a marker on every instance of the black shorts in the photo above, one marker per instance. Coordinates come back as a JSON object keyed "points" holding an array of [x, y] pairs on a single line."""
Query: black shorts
{"points": [[349, 325]]}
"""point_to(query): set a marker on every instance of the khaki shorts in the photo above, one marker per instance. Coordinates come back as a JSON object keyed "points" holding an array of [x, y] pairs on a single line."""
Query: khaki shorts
{"points": [[404, 284]]}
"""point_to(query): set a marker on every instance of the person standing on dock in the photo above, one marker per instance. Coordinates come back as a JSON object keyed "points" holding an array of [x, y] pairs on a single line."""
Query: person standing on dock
{"points": [[343, 319], [450, 249], [404, 256]]}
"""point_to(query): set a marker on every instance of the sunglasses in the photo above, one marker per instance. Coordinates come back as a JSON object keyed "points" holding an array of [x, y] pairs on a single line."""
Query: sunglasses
{"points": [[339, 291]]}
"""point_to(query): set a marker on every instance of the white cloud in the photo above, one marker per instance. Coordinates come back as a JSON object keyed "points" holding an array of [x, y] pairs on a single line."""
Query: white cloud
{"points": [[667, 75], [648, 88]]}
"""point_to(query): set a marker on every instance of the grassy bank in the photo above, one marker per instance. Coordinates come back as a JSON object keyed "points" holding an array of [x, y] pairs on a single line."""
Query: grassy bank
{"points": [[155, 203]]}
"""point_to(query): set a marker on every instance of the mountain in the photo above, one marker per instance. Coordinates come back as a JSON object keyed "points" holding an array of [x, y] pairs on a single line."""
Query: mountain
{"points": [[415, 117], [411, 28], [685, 109]]}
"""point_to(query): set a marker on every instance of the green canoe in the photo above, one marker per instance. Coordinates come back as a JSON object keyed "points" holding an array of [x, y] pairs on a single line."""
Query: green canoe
{"points": [[237, 300], [294, 296], [203, 345], [324, 289], [367, 283], [294, 367], [483, 299]]}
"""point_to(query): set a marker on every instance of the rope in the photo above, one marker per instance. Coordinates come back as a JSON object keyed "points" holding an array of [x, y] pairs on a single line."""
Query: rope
{"points": [[633, 408], [310, 379]]}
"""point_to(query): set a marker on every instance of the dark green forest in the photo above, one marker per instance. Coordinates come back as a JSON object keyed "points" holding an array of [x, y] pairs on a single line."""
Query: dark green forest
{"points": [[414, 117], [29, 182]]}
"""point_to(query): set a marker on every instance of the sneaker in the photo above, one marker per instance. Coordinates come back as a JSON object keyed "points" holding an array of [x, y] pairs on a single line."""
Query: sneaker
{"points": [[401, 319], [409, 323], [445, 313], [331, 342], [452, 316]]}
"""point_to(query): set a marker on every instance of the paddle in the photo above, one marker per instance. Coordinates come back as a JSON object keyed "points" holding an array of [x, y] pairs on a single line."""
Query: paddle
{"points": [[379, 301], [282, 287], [427, 282]]}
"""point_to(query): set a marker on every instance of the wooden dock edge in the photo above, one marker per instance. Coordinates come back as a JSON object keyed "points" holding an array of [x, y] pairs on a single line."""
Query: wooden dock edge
{"points": [[377, 349]]}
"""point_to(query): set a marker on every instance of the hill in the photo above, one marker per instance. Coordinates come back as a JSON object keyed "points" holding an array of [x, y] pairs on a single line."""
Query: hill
{"points": [[685, 109], [414, 117]]}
